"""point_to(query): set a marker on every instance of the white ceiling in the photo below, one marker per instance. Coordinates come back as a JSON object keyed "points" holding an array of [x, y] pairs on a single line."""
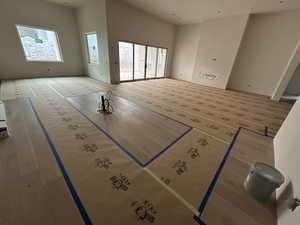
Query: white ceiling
{"points": [[194, 11]]}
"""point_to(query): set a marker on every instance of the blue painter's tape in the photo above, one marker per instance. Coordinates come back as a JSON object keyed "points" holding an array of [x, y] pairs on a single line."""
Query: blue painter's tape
{"points": [[218, 173], [266, 131], [198, 220], [189, 128], [107, 135], [145, 107], [84, 215], [162, 115], [167, 147], [255, 132]]}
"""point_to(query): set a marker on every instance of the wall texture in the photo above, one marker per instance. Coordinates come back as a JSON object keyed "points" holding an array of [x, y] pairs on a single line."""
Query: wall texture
{"points": [[37, 13], [265, 51], [92, 18], [185, 51], [126, 23], [205, 52], [287, 155]]}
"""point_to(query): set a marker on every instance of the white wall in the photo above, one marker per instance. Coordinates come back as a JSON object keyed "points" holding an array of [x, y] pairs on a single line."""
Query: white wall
{"points": [[208, 48], [185, 51], [287, 155], [92, 18], [265, 51], [127, 23], [37, 13]]}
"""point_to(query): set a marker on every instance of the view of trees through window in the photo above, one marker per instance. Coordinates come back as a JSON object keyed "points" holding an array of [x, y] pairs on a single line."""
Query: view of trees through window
{"points": [[139, 61], [39, 44]]}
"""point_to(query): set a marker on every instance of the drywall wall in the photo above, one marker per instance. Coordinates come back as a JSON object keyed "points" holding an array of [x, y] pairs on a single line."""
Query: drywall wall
{"points": [[287, 155], [205, 52], [185, 51], [265, 51], [287, 75], [91, 17], [42, 14], [294, 85], [127, 23]]}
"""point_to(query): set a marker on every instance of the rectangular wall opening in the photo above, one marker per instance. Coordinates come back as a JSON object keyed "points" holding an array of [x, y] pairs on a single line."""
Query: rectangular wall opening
{"points": [[126, 61], [92, 48], [39, 45], [139, 62]]}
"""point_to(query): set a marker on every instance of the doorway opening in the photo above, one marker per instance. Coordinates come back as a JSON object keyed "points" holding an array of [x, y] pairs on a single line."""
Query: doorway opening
{"points": [[290, 75], [292, 91]]}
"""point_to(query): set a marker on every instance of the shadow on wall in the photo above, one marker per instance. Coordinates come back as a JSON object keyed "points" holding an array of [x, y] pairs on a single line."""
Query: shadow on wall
{"points": [[293, 88]]}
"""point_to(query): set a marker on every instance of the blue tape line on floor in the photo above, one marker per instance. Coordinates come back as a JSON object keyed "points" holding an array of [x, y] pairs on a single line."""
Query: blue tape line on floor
{"points": [[255, 132], [266, 131], [83, 212], [107, 135], [123, 148], [142, 106], [198, 220], [218, 173], [168, 146]]}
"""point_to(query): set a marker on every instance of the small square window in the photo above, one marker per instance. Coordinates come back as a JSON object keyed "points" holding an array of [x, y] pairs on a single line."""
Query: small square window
{"points": [[39, 44], [92, 48]]}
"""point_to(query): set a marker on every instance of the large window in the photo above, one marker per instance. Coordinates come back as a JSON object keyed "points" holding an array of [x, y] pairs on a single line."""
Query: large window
{"points": [[161, 62], [139, 61], [92, 48], [126, 61], [151, 62], [39, 44]]}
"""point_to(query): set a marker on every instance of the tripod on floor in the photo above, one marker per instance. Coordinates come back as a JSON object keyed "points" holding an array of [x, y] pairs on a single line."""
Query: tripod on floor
{"points": [[105, 104]]}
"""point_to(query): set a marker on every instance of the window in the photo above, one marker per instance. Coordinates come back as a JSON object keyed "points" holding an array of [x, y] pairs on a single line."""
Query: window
{"points": [[151, 62], [39, 44], [161, 62], [126, 61], [139, 61], [92, 48]]}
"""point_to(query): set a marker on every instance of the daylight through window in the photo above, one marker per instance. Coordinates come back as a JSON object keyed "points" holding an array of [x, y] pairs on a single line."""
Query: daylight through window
{"points": [[92, 46], [39, 44]]}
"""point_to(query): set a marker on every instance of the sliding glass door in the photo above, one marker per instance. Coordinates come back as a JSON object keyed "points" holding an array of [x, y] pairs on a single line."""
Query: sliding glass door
{"points": [[139, 61], [126, 61], [161, 62], [151, 62]]}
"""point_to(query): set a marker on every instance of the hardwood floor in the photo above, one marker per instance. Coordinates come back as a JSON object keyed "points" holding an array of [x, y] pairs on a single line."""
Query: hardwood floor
{"points": [[55, 155]]}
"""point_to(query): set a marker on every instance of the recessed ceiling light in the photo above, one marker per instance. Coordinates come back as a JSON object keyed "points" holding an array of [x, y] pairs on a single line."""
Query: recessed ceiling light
{"points": [[281, 2], [219, 11]]}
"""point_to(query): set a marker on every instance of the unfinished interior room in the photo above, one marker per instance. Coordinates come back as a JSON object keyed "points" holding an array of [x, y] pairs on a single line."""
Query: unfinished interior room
{"points": [[141, 112]]}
